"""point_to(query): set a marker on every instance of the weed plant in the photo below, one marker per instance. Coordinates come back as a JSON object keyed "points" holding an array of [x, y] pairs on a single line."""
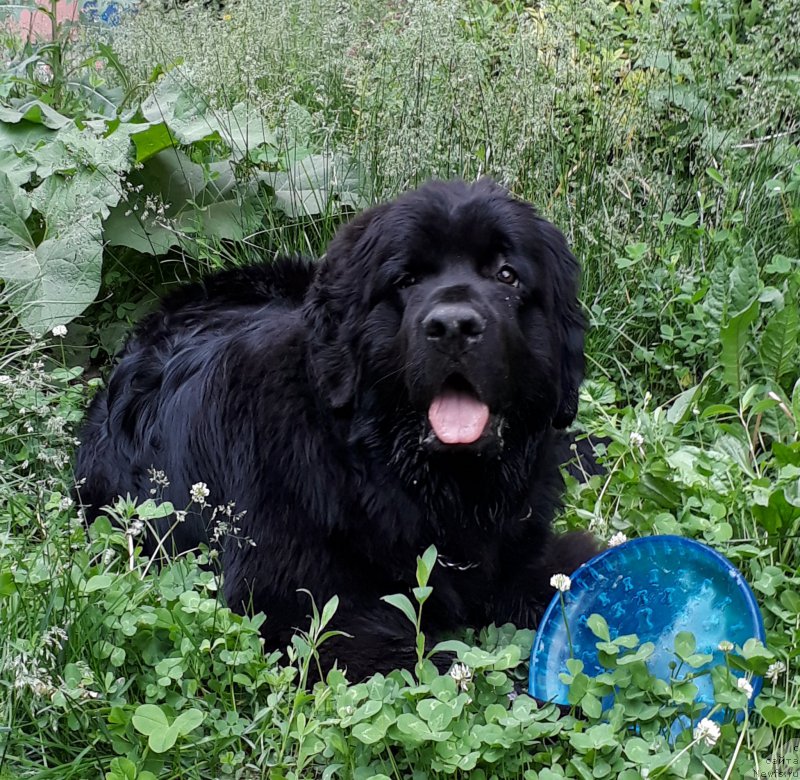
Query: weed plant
{"points": [[662, 137]]}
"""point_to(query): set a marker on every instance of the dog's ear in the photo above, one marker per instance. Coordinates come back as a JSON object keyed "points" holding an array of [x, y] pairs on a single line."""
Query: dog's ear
{"points": [[336, 306], [571, 321]]}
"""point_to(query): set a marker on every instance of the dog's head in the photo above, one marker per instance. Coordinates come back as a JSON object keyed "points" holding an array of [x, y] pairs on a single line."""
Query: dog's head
{"points": [[455, 301]]}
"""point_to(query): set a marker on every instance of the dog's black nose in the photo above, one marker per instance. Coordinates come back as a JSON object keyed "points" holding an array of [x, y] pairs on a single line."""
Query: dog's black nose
{"points": [[453, 327]]}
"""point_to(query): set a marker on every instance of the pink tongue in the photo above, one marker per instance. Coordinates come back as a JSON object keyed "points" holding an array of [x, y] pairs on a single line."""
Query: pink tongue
{"points": [[458, 418]]}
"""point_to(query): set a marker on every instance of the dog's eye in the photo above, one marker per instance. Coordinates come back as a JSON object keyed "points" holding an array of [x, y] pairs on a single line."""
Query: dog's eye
{"points": [[404, 281], [507, 275]]}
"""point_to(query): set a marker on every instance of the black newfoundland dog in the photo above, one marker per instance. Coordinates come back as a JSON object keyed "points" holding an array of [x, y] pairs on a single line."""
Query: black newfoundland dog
{"points": [[407, 390]]}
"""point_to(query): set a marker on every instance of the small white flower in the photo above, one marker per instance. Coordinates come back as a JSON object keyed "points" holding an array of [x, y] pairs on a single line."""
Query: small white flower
{"points": [[725, 646], [43, 73], [135, 529], [707, 731], [5, 379], [774, 671], [59, 331], [462, 674], [743, 684], [65, 503], [199, 493], [636, 439], [561, 582], [617, 539]]}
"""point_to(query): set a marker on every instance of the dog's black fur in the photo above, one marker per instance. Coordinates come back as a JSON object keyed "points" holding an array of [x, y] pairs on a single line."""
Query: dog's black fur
{"points": [[300, 391]]}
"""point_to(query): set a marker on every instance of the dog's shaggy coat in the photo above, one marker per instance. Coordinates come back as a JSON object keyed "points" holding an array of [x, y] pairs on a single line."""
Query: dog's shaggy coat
{"points": [[405, 391]]}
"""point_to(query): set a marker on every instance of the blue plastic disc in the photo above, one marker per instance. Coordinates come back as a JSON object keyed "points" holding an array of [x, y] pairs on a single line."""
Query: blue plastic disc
{"points": [[654, 587]]}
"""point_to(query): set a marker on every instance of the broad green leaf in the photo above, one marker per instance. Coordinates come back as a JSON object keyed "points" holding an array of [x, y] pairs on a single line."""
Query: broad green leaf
{"points": [[594, 738], [163, 740], [684, 692], [37, 112], [744, 282], [150, 510], [450, 646], [122, 769], [17, 167], [328, 611], [734, 338], [124, 228], [7, 586], [173, 177], [591, 706], [681, 406], [151, 141], [370, 733], [642, 654], [416, 728], [508, 657], [173, 102], [98, 582], [425, 564], [54, 282], [23, 136], [188, 721], [796, 403], [737, 451], [778, 348], [201, 128], [60, 198], [307, 188], [243, 129], [226, 219], [598, 626], [15, 208], [148, 719], [421, 594], [403, 603]]}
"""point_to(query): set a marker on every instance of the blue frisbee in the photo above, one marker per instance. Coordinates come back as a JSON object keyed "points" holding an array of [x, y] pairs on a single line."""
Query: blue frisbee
{"points": [[654, 587]]}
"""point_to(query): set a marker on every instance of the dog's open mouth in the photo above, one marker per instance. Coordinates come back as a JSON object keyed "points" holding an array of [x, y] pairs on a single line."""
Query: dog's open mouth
{"points": [[456, 414]]}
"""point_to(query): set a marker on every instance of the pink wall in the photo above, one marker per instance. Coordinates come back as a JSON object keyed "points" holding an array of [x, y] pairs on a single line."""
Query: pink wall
{"points": [[37, 26]]}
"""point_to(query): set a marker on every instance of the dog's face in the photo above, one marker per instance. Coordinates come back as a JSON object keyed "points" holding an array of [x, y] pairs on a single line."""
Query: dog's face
{"points": [[457, 305]]}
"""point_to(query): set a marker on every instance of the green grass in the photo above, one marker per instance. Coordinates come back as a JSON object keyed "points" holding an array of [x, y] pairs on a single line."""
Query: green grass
{"points": [[661, 137]]}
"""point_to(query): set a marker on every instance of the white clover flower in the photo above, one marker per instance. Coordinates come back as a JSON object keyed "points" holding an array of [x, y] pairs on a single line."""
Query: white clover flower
{"points": [[59, 331], [561, 582], [743, 684], [43, 73], [462, 674], [774, 671], [135, 529], [199, 493], [725, 646], [617, 539], [707, 731]]}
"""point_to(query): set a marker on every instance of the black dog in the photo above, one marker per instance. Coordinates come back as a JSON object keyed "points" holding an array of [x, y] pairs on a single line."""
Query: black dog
{"points": [[406, 391]]}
